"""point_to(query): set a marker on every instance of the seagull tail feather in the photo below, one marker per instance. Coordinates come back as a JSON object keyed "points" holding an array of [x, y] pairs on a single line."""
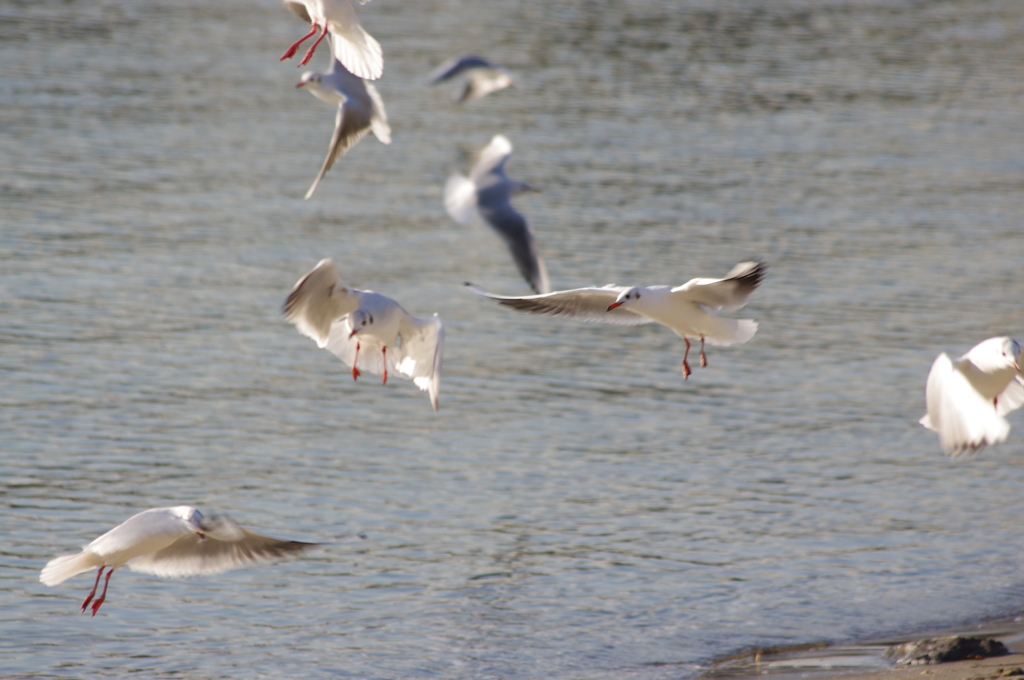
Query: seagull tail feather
{"points": [[60, 569], [722, 331]]}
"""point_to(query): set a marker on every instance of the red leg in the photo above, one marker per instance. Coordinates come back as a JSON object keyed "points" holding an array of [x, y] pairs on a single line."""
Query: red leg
{"points": [[384, 355], [103, 596], [686, 365], [92, 593], [703, 359], [355, 371], [312, 48], [290, 52]]}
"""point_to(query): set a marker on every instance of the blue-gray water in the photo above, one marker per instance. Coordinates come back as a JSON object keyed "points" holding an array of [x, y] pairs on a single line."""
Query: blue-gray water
{"points": [[575, 510]]}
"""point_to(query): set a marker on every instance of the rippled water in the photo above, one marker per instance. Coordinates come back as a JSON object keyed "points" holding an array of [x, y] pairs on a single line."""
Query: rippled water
{"points": [[575, 510]]}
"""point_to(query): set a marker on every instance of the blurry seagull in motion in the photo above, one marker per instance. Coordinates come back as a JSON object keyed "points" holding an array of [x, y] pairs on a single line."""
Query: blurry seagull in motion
{"points": [[360, 110], [488, 192], [176, 541], [685, 309], [968, 398], [352, 45], [366, 330], [480, 77]]}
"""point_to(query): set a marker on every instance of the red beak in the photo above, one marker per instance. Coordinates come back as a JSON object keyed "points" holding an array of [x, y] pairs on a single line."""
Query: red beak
{"points": [[352, 333], [300, 84], [613, 306]]}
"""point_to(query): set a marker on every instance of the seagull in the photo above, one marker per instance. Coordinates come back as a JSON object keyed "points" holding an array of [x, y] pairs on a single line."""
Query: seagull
{"points": [[167, 542], [366, 330], [360, 110], [685, 309], [481, 77], [968, 398], [488, 192], [352, 45]]}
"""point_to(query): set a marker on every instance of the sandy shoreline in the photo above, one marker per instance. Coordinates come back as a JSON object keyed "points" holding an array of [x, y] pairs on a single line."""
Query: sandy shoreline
{"points": [[866, 661]]}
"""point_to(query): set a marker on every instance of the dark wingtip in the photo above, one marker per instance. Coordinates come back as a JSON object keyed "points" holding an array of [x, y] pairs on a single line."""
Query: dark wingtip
{"points": [[754, 277], [289, 304]]}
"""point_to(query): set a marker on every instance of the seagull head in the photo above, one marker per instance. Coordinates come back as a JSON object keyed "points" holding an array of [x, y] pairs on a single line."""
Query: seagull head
{"points": [[310, 77], [359, 320], [626, 297], [996, 355], [192, 517]]}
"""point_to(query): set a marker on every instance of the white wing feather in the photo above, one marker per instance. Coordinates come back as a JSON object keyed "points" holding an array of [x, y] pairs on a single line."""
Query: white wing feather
{"points": [[370, 358], [378, 116], [492, 157], [1012, 397], [964, 420], [355, 48], [319, 300], [587, 304], [729, 293], [226, 546], [421, 352], [460, 199]]}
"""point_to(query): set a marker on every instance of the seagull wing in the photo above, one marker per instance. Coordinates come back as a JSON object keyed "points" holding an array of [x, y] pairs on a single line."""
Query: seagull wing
{"points": [[455, 66], [350, 125], [378, 116], [352, 45], [729, 293], [225, 547], [513, 230], [318, 300], [344, 347], [460, 199], [299, 9], [419, 357], [492, 159], [964, 420], [1012, 398], [587, 304]]}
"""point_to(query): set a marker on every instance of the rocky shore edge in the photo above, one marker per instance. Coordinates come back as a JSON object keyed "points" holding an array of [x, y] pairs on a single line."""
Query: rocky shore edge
{"points": [[988, 651]]}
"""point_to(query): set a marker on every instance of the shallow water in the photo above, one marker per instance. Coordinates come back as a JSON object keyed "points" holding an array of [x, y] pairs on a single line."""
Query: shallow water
{"points": [[575, 510]]}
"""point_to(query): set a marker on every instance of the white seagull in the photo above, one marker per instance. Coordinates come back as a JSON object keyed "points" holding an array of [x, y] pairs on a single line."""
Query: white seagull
{"points": [[480, 77], [167, 542], [968, 398], [360, 110], [366, 330], [488, 192], [685, 309], [352, 45]]}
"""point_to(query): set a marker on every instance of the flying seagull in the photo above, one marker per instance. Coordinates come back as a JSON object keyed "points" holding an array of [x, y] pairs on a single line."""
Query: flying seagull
{"points": [[366, 330], [968, 398], [360, 110], [685, 309], [167, 542], [480, 77], [488, 192]]}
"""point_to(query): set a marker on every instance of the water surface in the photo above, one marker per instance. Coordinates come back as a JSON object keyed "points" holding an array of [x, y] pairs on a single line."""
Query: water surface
{"points": [[575, 509]]}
